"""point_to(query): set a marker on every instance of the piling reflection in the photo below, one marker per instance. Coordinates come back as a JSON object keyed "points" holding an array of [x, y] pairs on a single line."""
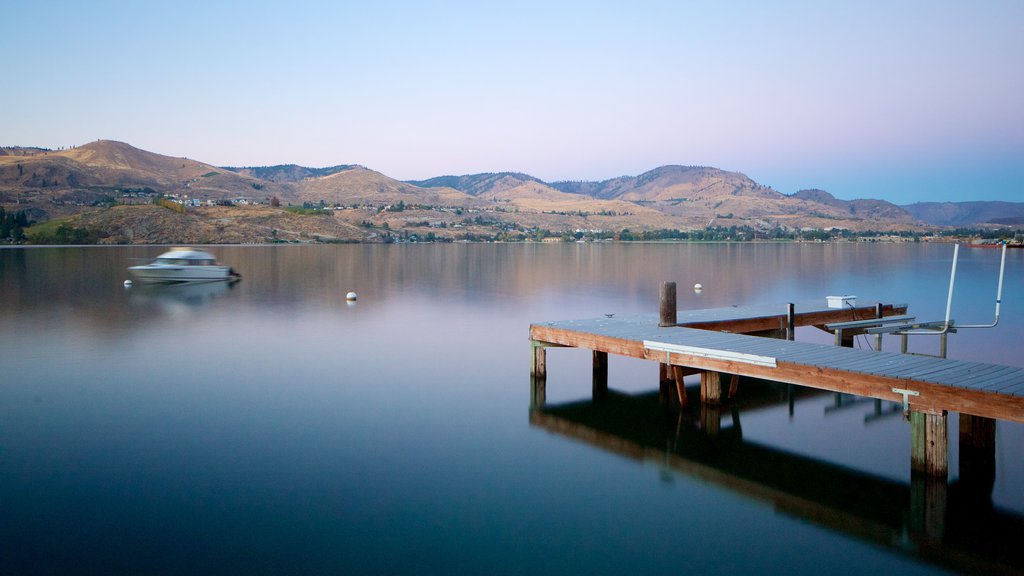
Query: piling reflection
{"points": [[952, 525]]}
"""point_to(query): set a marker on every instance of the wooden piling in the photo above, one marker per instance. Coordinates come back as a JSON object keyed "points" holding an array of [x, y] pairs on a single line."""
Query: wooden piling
{"points": [[665, 383], [790, 321], [734, 385], [977, 464], [600, 381], [679, 374], [538, 364], [929, 446], [538, 392], [710, 387], [878, 337], [667, 316]]}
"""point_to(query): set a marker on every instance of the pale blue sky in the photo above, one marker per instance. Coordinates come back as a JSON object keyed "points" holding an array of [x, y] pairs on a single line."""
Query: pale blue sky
{"points": [[905, 101]]}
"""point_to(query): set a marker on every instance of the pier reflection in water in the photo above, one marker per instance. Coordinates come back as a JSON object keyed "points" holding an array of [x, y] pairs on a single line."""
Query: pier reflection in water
{"points": [[953, 525]]}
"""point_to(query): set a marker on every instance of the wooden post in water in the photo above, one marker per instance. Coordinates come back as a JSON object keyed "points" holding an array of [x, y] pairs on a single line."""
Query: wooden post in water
{"points": [[677, 371], [664, 383], [710, 387], [878, 337], [667, 316], [538, 364], [790, 322], [538, 392], [734, 386], [600, 386], [929, 446], [977, 456]]}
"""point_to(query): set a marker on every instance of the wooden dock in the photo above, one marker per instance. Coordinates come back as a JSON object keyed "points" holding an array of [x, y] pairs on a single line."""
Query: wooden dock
{"points": [[747, 341]]}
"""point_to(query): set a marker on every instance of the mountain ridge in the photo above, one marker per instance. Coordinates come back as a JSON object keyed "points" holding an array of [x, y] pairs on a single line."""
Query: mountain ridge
{"points": [[60, 183]]}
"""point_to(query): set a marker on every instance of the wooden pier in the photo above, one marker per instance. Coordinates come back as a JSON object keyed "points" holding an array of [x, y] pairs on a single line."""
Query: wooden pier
{"points": [[757, 341]]}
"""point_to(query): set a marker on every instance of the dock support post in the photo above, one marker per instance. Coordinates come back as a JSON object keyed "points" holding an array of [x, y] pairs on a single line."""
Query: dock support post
{"points": [[677, 371], [538, 392], [710, 388], [664, 383], [844, 339], [977, 455], [538, 374], [878, 337], [667, 316], [600, 386], [929, 446], [539, 362], [734, 385], [942, 344], [903, 343], [790, 321]]}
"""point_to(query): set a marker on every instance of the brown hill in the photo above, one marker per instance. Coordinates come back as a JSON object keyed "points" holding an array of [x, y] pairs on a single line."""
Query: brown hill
{"points": [[671, 183], [858, 209], [49, 183], [56, 182], [968, 213], [358, 185]]}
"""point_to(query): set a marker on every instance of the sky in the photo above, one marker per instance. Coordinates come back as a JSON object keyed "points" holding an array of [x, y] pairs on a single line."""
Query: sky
{"points": [[904, 101]]}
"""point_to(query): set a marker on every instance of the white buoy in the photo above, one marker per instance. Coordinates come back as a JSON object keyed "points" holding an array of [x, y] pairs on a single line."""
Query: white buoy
{"points": [[697, 287], [351, 296], [127, 283]]}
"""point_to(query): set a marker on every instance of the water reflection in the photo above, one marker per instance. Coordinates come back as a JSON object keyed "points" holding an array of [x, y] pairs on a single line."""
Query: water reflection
{"points": [[176, 299], [955, 526]]}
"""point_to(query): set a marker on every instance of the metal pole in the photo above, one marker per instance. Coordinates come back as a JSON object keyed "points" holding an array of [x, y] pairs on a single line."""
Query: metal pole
{"points": [[952, 278]]}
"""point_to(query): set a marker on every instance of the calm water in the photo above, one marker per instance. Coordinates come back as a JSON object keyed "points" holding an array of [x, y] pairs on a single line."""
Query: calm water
{"points": [[269, 427]]}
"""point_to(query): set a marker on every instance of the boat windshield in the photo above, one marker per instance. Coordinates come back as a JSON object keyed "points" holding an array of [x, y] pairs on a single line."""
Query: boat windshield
{"points": [[183, 262]]}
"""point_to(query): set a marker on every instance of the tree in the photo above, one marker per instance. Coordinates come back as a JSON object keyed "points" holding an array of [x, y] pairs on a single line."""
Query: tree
{"points": [[275, 202]]}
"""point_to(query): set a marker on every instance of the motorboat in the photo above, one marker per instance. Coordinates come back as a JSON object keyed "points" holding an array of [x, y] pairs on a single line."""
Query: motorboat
{"points": [[184, 265]]}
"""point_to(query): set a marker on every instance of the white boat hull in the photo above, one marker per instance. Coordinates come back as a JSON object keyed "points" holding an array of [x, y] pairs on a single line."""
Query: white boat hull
{"points": [[171, 273]]}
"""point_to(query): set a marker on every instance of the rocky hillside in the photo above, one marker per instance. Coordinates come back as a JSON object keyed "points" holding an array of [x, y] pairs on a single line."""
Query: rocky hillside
{"points": [[48, 184], [968, 213]]}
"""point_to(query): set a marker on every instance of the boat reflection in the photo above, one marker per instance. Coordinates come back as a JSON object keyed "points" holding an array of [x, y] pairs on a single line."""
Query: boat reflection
{"points": [[178, 298], [953, 525]]}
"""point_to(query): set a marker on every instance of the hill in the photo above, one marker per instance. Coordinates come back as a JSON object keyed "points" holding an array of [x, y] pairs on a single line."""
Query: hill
{"points": [[359, 185], [287, 172], [55, 183], [968, 213], [84, 181], [478, 184]]}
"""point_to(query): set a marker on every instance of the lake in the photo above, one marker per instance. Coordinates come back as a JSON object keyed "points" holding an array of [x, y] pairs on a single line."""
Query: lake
{"points": [[270, 427]]}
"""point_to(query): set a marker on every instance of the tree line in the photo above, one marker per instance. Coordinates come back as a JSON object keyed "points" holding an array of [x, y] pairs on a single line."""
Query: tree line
{"points": [[12, 225]]}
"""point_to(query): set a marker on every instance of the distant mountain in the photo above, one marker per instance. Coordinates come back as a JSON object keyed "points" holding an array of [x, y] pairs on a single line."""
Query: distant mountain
{"points": [[287, 172], [104, 167], [871, 209], [968, 213], [362, 185], [478, 184], [82, 180], [671, 183]]}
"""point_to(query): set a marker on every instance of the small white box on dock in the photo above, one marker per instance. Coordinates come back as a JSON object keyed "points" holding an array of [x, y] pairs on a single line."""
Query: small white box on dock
{"points": [[841, 301]]}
